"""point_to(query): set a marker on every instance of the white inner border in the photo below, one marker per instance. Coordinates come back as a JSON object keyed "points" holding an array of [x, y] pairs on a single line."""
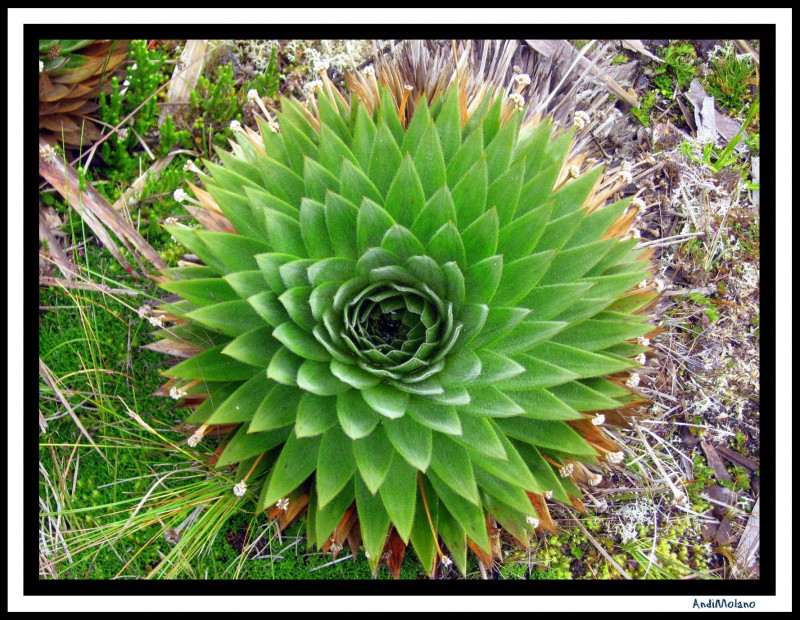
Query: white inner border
{"points": [[17, 17]]}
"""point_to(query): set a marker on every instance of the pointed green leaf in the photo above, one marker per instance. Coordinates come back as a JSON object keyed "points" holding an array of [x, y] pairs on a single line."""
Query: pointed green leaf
{"points": [[437, 417], [333, 151], [328, 517], [496, 368], [546, 302], [268, 307], [482, 279], [469, 195], [373, 520], [314, 230], [468, 515], [429, 163], [452, 464], [547, 434], [499, 323], [283, 366], [412, 440], [340, 218], [504, 193], [355, 185], [446, 245], [520, 276], [372, 224], [400, 241], [582, 398], [300, 342], [255, 347], [480, 238], [465, 158], [335, 465], [356, 417], [438, 211], [246, 283], [363, 138], [398, 494], [540, 404], [448, 124], [296, 462], [417, 127], [212, 365], [479, 435], [406, 197], [385, 159], [579, 361], [491, 402], [539, 374], [242, 404], [246, 445], [316, 377], [315, 415], [373, 456], [203, 291], [278, 409], [386, 400], [521, 236]]}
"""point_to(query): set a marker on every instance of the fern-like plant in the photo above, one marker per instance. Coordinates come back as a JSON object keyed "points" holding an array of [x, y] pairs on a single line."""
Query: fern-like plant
{"points": [[410, 326]]}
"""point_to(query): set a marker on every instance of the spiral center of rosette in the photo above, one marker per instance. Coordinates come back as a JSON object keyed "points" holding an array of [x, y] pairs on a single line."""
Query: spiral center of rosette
{"points": [[398, 331]]}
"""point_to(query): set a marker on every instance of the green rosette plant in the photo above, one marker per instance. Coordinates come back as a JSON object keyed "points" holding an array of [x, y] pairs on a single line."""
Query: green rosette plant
{"points": [[408, 327]]}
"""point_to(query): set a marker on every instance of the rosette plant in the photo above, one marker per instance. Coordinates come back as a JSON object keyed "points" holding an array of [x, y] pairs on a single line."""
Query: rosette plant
{"points": [[407, 325]]}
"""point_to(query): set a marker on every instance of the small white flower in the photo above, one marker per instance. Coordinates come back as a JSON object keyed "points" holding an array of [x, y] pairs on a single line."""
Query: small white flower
{"points": [[446, 561], [639, 204], [195, 439], [598, 419], [518, 100], [235, 126], [640, 359], [522, 79], [321, 65], [367, 71], [252, 95], [615, 457], [240, 489], [191, 166], [633, 380], [122, 134], [645, 342], [626, 177], [548, 495], [177, 393], [155, 321], [274, 127], [312, 86], [143, 311], [581, 119], [408, 87], [574, 171], [659, 284], [282, 504], [335, 547], [566, 471], [594, 480], [531, 520], [48, 153], [179, 195]]}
